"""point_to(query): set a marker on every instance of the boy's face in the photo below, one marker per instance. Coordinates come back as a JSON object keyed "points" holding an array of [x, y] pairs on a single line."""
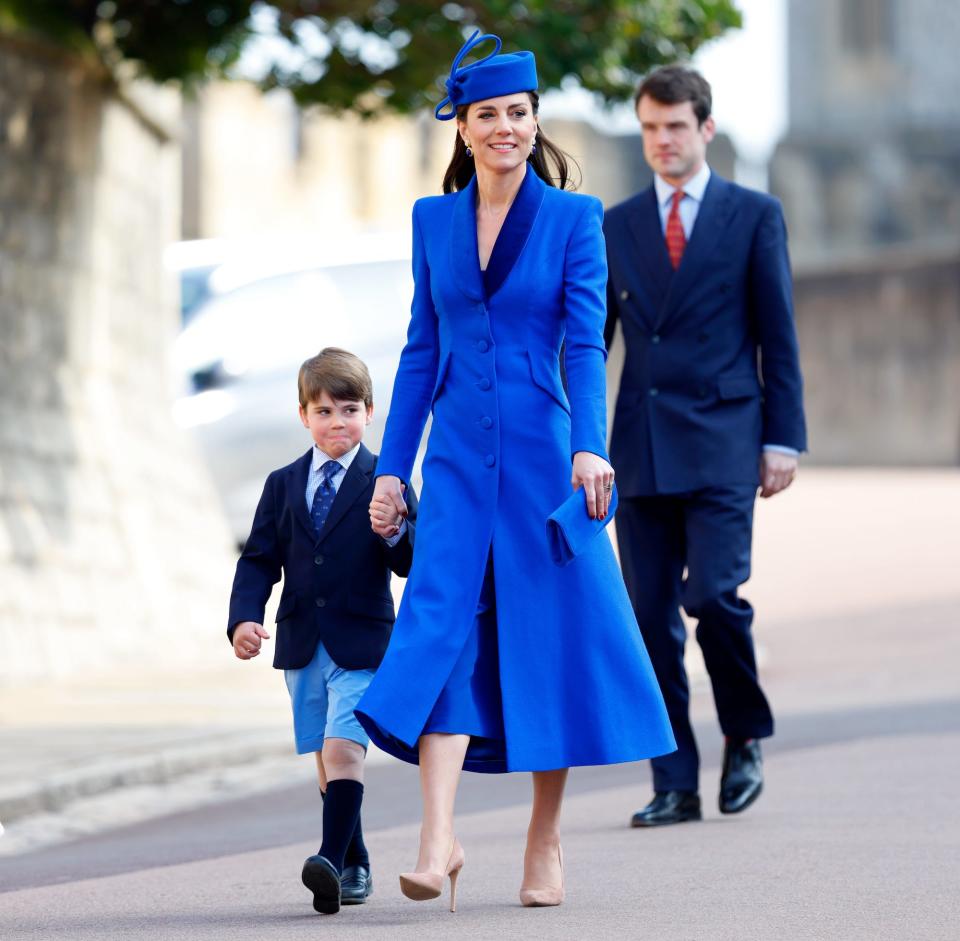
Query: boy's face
{"points": [[336, 427]]}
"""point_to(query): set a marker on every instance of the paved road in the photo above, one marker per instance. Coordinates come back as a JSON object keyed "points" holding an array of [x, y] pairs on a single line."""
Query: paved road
{"points": [[856, 837]]}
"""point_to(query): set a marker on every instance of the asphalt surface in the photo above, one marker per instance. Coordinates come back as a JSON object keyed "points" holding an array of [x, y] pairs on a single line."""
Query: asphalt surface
{"points": [[856, 835]]}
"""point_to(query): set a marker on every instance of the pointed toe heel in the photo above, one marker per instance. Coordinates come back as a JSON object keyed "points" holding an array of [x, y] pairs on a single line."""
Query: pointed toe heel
{"points": [[545, 897], [422, 886]]}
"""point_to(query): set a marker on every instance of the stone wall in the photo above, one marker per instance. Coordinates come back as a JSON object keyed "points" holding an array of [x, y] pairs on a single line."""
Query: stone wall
{"points": [[113, 551], [880, 348]]}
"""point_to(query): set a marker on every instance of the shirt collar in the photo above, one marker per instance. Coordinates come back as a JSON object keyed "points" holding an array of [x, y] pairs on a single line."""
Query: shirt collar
{"points": [[694, 187], [320, 457]]}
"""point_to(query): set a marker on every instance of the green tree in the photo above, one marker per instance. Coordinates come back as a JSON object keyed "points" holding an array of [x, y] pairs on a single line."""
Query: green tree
{"points": [[369, 57]]}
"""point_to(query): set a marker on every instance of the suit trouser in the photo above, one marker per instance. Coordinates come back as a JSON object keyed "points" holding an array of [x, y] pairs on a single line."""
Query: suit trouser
{"points": [[708, 532]]}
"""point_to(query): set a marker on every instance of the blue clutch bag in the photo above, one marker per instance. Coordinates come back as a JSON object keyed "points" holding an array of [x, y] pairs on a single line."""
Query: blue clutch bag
{"points": [[570, 529]]}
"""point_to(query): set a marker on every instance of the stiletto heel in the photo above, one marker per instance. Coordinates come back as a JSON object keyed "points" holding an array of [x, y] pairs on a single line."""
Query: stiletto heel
{"points": [[421, 886], [453, 889], [542, 898]]}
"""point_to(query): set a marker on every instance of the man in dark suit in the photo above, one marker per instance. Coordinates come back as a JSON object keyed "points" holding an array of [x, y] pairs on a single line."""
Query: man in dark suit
{"points": [[710, 407]]}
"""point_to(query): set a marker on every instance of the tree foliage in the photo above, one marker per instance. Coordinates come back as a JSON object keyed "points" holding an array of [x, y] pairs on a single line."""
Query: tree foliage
{"points": [[368, 57]]}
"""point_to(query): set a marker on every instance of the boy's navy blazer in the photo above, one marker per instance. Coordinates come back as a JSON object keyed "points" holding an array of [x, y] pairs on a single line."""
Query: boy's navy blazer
{"points": [[712, 369], [336, 587]]}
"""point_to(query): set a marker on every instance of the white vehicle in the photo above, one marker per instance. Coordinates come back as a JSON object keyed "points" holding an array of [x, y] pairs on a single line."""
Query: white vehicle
{"points": [[237, 358]]}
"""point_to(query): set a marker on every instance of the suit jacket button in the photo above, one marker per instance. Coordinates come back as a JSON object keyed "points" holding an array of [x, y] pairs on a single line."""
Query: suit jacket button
{"points": [[318, 560], [489, 460], [483, 346], [486, 421], [484, 384], [655, 338], [702, 337], [624, 295], [654, 392], [321, 602]]}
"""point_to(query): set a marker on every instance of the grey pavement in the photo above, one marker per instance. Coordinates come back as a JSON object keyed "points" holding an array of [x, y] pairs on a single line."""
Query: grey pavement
{"points": [[856, 835]]}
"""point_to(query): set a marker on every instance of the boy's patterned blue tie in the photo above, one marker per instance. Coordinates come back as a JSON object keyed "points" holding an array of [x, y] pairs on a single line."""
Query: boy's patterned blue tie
{"points": [[323, 498]]}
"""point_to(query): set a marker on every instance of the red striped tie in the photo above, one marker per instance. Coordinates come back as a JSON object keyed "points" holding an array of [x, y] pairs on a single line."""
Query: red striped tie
{"points": [[676, 240]]}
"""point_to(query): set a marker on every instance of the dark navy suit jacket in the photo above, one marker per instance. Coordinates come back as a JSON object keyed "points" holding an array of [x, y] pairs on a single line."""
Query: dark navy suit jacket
{"points": [[336, 587], [712, 367]]}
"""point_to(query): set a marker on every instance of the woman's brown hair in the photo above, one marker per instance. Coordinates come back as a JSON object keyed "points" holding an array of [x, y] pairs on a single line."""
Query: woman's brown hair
{"points": [[461, 168]]}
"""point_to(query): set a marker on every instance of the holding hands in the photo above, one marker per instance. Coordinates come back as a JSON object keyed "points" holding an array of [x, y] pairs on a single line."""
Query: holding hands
{"points": [[387, 507], [595, 475]]}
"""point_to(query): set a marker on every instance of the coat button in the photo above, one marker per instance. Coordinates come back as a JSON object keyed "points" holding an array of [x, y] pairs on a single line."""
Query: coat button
{"points": [[703, 337], [486, 421], [490, 460], [624, 295], [321, 602], [655, 338], [654, 392], [318, 560], [484, 384], [483, 346]]}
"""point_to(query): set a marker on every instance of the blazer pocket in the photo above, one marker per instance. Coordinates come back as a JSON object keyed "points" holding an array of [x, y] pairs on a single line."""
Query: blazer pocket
{"points": [[288, 604], [738, 387], [379, 609], [545, 378], [441, 375]]}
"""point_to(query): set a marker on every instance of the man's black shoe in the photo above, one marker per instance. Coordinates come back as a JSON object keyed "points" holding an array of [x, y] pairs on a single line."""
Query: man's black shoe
{"points": [[322, 879], [742, 779], [356, 884], [668, 807]]}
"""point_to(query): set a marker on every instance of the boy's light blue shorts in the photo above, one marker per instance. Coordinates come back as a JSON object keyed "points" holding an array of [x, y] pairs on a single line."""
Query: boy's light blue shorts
{"points": [[323, 697]]}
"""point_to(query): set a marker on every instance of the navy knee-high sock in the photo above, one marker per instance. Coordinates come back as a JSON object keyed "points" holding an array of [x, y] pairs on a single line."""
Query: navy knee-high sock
{"points": [[357, 854], [341, 810]]}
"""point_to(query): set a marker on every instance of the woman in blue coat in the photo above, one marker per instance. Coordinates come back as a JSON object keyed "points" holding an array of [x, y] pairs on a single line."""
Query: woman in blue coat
{"points": [[501, 660]]}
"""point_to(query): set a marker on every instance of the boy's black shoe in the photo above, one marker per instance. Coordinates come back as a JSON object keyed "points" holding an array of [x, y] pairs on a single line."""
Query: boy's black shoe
{"points": [[320, 876], [356, 885]]}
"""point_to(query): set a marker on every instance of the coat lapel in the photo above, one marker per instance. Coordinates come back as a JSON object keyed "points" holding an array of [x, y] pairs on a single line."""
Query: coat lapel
{"points": [[712, 220], [515, 232], [297, 492], [464, 256], [650, 245], [354, 486]]}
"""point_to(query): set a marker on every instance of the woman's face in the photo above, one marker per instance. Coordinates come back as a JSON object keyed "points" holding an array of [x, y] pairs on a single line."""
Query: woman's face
{"points": [[500, 131]]}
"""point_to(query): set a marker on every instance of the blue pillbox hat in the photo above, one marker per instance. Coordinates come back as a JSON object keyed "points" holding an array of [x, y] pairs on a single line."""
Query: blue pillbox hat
{"points": [[489, 77]]}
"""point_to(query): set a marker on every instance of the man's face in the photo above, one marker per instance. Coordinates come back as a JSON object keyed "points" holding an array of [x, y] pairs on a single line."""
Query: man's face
{"points": [[336, 427], [674, 144]]}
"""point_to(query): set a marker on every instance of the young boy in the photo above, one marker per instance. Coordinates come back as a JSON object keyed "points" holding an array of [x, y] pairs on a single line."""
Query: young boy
{"points": [[313, 525]]}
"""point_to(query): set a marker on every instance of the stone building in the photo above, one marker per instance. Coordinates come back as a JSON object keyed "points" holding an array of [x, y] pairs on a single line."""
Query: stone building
{"points": [[872, 155], [869, 174], [113, 550]]}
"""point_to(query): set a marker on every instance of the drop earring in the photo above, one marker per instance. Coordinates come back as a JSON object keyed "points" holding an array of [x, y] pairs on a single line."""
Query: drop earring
{"points": [[469, 151], [533, 149]]}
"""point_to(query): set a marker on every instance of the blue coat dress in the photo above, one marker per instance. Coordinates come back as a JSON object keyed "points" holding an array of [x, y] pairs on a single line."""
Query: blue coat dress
{"points": [[543, 666]]}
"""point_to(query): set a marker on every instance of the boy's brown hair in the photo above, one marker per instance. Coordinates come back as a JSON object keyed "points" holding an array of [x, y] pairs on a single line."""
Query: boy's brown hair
{"points": [[343, 376]]}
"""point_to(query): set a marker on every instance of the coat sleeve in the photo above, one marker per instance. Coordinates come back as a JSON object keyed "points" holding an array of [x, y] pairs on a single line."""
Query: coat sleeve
{"points": [[259, 566], [584, 286], [416, 375], [771, 299], [399, 557]]}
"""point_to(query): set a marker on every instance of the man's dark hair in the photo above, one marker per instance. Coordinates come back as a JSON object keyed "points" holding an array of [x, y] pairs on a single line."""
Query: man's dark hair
{"points": [[674, 84]]}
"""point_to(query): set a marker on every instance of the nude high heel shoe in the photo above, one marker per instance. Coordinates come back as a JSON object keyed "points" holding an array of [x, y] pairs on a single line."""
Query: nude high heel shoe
{"points": [[421, 886], [541, 898]]}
